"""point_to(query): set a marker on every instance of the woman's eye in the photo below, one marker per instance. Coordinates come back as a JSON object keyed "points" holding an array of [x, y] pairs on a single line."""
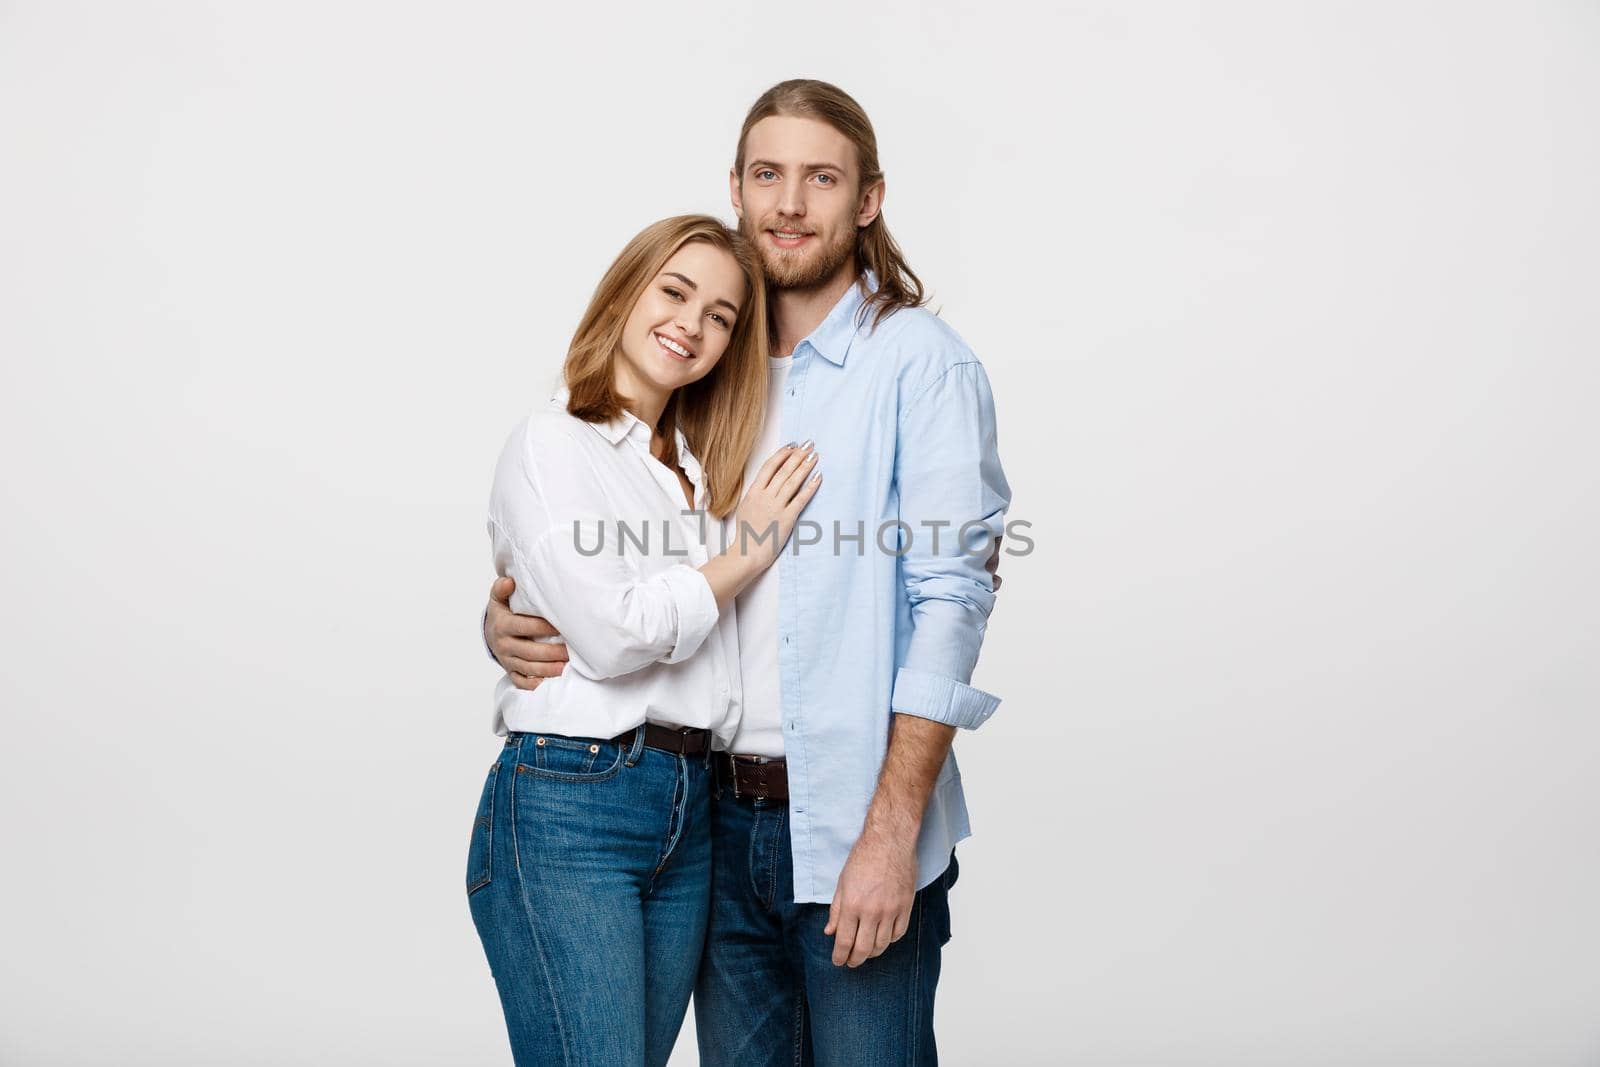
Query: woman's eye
{"points": [[670, 291], [720, 320]]}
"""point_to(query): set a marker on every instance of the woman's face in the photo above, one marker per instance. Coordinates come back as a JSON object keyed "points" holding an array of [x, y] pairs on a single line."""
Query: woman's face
{"points": [[681, 324]]}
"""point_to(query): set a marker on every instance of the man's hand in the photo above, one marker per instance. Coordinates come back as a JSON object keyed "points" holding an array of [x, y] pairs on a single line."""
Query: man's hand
{"points": [[872, 902], [511, 638]]}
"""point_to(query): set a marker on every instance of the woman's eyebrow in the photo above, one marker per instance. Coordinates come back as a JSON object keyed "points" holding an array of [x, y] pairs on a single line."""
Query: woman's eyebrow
{"points": [[686, 280]]}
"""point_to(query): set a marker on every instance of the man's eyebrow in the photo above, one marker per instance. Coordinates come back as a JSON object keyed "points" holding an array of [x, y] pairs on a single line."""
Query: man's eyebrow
{"points": [[804, 166], [686, 280]]}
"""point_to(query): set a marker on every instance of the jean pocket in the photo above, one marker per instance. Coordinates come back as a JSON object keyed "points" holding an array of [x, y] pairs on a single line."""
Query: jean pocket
{"points": [[480, 851], [571, 759]]}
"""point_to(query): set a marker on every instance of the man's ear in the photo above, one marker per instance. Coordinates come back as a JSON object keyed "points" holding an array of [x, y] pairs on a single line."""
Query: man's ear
{"points": [[733, 194], [871, 204]]}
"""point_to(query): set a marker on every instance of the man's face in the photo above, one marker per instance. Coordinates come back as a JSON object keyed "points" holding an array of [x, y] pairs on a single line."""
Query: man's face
{"points": [[799, 199]]}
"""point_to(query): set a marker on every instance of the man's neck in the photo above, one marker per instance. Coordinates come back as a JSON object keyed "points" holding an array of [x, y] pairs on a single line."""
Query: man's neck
{"points": [[796, 312]]}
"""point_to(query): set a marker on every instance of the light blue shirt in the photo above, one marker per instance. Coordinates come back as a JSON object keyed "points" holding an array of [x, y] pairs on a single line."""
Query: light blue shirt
{"points": [[876, 618]]}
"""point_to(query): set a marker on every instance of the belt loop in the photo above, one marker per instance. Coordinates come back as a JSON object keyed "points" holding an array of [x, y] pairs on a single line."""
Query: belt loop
{"points": [[637, 747]]}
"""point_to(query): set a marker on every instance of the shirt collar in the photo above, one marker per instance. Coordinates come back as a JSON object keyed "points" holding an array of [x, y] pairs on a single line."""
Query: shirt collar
{"points": [[833, 335], [628, 426], [613, 430]]}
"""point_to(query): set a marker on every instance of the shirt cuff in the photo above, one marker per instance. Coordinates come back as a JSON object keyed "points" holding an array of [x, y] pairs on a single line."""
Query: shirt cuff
{"points": [[942, 699], [696, 606]]}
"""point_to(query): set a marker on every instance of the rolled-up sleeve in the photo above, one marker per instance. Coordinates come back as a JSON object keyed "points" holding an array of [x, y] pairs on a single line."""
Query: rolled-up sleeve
{"points": [[551, 534], [952, 491]]}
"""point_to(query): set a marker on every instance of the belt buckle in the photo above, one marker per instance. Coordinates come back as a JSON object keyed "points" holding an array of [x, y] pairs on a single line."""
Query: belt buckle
{"points": [[733, 772]]}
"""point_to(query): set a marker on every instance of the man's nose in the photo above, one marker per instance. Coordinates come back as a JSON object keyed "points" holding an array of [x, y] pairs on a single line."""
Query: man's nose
{"points": [[792, 200]]}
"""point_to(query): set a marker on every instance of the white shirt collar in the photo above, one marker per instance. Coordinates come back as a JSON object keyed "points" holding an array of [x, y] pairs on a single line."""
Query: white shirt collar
{"points": [[632, 428]]}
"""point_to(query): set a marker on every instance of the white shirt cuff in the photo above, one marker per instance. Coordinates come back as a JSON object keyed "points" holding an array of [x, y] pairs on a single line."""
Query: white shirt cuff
{"points": [[696, 606]]}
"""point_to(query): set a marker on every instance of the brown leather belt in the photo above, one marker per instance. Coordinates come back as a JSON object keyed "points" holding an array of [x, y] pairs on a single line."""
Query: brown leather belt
{"points": [[681, 741], [752, 777]]}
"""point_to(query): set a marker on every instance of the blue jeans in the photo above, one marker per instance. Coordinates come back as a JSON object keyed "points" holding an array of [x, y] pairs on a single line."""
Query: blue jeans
{"points": [[588, 876], [769, 995]]}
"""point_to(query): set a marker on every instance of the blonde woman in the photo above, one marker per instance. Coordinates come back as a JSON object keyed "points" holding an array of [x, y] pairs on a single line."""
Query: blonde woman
{"points": [[589, 867]]}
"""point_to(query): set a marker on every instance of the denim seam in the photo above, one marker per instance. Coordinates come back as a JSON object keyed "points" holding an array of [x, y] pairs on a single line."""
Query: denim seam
{"points": [[533, 928], [799, 1024], [488, 831], [913, 1014], [772, 865], [750, 862], [675, 821]]}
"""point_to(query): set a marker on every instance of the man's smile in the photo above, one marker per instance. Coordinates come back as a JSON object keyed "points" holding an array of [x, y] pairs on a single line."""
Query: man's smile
{"points": [[788, 238]]}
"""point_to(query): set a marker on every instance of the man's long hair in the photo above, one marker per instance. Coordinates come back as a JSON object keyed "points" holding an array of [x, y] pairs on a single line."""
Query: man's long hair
{"points": [[721, 414], [876, 249]]}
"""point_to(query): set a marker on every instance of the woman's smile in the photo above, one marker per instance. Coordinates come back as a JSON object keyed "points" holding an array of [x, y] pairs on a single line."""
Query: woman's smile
{"points": [[680, 351]]}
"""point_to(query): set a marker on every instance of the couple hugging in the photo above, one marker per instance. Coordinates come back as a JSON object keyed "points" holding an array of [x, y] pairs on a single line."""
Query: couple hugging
{"points": [[727, 766]]}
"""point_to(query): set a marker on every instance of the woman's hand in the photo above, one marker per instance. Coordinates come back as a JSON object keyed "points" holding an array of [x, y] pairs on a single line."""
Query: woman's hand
{"points": [[763, 520], [772, 503]]}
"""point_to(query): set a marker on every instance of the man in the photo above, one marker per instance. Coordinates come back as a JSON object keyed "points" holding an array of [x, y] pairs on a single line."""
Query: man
{"points": [[840, 802]]}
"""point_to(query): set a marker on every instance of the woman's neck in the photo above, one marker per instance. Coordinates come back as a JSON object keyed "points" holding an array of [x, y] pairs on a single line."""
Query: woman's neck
{"points": [[647, 402]]}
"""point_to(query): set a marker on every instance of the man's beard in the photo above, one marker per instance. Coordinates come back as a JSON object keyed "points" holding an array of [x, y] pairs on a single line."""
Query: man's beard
{"points": [[796, 272]]}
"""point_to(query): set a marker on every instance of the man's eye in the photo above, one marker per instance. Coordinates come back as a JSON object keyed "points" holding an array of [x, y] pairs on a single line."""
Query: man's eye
{"points": [[762, 174], [826, 179]]}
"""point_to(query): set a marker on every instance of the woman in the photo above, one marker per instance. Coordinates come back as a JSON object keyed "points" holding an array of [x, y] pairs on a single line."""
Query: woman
{"points": [[589, 868]]}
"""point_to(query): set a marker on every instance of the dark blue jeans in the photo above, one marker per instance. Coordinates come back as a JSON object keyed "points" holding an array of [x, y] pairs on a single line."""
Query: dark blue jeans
{"points": [[588, 876], [769, 995]]}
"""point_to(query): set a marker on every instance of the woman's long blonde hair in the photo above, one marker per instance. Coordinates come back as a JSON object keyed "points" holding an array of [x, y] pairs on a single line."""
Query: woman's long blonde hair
{"points": [[720, 414]]}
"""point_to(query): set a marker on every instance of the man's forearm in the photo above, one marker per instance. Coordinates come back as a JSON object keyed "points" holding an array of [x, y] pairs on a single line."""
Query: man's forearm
{"points": [[917, 751]]}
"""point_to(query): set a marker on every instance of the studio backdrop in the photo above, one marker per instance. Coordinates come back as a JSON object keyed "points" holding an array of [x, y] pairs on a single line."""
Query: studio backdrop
{"points": [[1290, 315]]}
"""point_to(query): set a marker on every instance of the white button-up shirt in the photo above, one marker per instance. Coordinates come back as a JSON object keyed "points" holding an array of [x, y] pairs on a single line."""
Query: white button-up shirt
{"points": [[601, 541]]}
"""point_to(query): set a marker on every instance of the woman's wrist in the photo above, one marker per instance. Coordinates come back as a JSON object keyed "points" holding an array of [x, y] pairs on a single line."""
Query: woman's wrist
{"points": [[746, 562]]}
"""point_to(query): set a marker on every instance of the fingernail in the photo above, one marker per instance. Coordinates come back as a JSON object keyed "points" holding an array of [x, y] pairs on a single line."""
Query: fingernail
{"points": [[807, 444]]}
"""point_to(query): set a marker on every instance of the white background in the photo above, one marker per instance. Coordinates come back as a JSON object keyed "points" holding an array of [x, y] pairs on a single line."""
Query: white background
{"points": [[1291, 315]]}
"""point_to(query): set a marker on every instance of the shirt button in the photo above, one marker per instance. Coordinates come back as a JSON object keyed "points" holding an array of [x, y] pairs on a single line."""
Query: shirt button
{"points": [[791, 392], [786, 640]]}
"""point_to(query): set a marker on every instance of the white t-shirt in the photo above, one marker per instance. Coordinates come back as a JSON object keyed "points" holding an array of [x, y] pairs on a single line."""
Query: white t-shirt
{"points": [[760, 730]]}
